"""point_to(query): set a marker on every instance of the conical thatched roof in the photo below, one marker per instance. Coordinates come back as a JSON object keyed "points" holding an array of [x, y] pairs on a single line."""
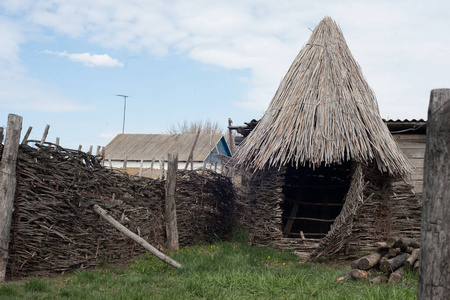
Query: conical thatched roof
{"points": [[323, 112]]}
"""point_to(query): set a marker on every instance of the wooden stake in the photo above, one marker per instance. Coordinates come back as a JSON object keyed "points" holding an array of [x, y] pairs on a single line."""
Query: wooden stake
{"points": [[434, 275], [140, 168], [98, 150], [57, 141], [124, 169], [8, 186], [1, 135], [110, 162], [136, 238], [230, 137], [171, 211], [27, 135], [191, 154], [103, 156], [90, 150], [151, 168], [161, 169], [44, 136], [80, 147]]}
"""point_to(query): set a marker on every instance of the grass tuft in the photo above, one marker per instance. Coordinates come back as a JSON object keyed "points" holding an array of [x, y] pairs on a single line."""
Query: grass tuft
{"points": [[36, 285]]}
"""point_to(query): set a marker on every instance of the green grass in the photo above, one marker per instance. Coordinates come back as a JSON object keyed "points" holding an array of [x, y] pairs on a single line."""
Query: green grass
{"points": [[224, 270]]}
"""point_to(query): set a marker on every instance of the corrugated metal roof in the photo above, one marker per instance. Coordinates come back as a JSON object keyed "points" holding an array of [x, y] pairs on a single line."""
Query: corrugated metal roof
{"points": [[404, 121], [149, 146], [406, 126]]}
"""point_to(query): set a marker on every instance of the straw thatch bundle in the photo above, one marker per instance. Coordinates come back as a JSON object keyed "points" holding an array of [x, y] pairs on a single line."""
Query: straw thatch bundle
{"points": [[323, 112]]}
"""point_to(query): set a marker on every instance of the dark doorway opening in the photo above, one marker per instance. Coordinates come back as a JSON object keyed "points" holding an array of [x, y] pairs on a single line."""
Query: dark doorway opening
{"points": [[313, 199]]}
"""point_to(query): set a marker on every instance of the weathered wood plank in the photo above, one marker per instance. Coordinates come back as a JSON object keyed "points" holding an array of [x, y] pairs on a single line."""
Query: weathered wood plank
{"points": [[171, 211], [8, 186], [434, 275]]}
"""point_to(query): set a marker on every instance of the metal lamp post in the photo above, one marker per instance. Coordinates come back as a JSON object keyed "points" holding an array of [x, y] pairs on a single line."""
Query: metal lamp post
{"points": [[124, 110]]}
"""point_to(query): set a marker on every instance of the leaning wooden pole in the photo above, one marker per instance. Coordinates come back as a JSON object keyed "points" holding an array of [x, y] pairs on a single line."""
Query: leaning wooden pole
{"points": [[191, 154], [171, 211], [136, 238], [434, 272], [8, 186]]}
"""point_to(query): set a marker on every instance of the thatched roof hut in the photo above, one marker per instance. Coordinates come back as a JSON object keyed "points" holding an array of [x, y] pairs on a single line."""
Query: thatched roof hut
{"points": [[324, 165], [323, 112]]}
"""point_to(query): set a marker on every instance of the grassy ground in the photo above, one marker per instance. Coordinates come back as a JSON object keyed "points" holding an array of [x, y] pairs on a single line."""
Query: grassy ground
{"points": [[223, 270]]}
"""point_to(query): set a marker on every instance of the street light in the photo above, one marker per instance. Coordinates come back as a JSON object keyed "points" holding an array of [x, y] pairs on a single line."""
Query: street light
{"points": [[124, 109]]}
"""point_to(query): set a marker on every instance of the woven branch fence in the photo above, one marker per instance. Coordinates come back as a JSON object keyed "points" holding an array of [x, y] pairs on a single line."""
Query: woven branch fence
{"points": [[54, 229]]}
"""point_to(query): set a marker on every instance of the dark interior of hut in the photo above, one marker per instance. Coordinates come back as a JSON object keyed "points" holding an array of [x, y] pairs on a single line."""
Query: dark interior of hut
{"points": [[313, 199]]}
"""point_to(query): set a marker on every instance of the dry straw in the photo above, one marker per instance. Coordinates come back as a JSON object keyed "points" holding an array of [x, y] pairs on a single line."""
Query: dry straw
{"points": [[323, 112]]}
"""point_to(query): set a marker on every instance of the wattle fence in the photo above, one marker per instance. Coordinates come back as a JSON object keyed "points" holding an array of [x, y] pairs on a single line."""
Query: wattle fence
{"points": [[54, 228]]}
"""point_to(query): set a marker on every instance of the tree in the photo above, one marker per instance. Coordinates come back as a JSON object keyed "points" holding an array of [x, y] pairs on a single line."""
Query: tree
{"points": [[208, 127]]}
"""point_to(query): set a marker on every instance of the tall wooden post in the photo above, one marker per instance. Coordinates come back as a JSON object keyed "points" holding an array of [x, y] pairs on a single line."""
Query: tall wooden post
{"points": [[230, 136], [8, 186], [171, 211], [434, 271]]}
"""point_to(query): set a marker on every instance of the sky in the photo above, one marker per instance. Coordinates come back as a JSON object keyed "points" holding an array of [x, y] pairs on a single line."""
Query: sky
{"points": [[64, 62]]}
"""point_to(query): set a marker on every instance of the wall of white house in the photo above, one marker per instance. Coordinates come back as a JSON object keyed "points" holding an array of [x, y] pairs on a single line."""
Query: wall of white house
{"points": [[118, 164]]}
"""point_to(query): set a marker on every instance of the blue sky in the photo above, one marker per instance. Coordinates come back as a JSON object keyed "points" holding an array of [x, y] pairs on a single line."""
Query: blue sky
{"points": [[63, 62]]}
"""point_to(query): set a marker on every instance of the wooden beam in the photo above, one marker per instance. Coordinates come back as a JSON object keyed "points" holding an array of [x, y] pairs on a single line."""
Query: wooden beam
{"points": [[290, 222], [314, 203], [309, 219], [8, 186], [102, 213]]}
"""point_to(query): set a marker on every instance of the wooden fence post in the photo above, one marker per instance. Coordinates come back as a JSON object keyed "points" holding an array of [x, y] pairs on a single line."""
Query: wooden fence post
{"points": [[171, 211], [124, 168], [191, 154], [151, 167], [27, 135], [8, 186], [161, 169], [44, 136], [434, 275], [141, 167]]}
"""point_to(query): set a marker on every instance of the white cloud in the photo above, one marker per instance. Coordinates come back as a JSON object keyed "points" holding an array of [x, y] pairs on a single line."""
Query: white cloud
{"points": [[90, 60], [401, 45]]}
